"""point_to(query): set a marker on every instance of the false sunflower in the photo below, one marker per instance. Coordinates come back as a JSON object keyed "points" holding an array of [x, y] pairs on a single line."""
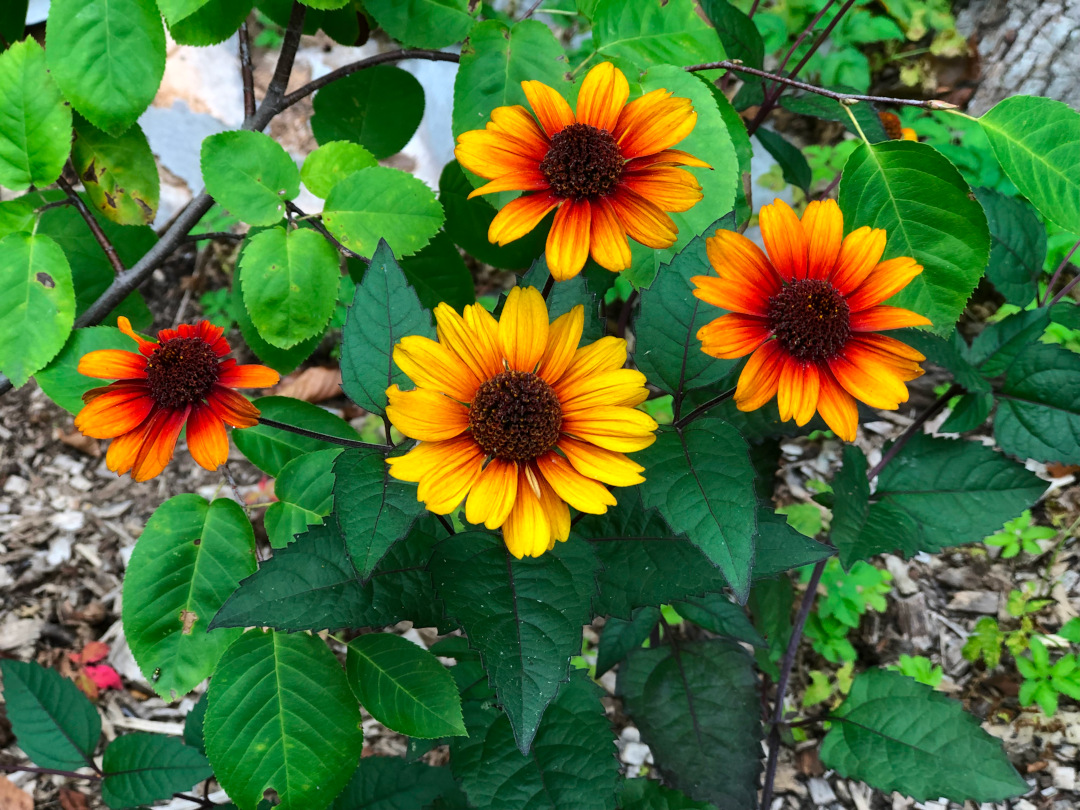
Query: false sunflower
{"points": [[512, 414], [609, 169], [180, 379], [808, 314]]}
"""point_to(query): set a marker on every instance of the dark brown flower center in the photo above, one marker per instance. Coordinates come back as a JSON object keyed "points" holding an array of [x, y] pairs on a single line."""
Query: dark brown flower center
{"points": [[811, 319], [515, 416], [181, 371], [583, 162]]}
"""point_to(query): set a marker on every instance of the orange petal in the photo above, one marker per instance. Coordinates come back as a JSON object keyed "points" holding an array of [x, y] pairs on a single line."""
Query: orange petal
{"points": [[797, 391], [528, 180], [518, 126], [563, 338], [607, 241], [124, 449], [623, 430], [552, 110], [860, 252], [249, 376], [736, 258], [146, 347], [232, 408], [518, 217], [159, 444], [605, 466], [491, 154], [433, 366], [891, 350], [733, 335], [866, 378], [527, 530], [486, 329], [428, 458], [824, 227], [837, 407], [582, 493], [114, 410], [568, 241], [642, 220], [207, 440], [671, 157], [204, 331], [556, 510], [443, 489], [523, 328], [602, 97], [653, 123], [669, 188], [113, 364], [885, 280], [492, 496], [426, 415], [878, 318], [785, 240], [760, 377], [483, 359], [735, 295]]}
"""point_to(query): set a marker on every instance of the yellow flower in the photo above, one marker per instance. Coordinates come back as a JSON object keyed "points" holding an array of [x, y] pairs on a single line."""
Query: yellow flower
{"points": [[512, 414], [609, 170]]}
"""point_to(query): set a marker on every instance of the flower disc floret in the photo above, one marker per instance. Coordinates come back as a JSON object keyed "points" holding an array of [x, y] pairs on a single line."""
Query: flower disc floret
{"points": [[583, 162], [181, 371], [515, 416]]}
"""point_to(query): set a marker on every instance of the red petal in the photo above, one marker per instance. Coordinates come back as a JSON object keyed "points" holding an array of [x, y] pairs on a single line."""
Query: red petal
{"points": [[232, 408]]}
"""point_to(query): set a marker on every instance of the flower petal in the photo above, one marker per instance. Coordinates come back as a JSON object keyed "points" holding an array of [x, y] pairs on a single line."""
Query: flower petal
{"points": [[891, 350], [669, 188], [837, 407], [653, 123], [607, 242], [519, 216], [606, 354], [442, 490], [523, 328], [124, 449], [602, 97], [623, 430], [878, 318], [207, 440], [670, 157], [605, 466], [520, 128], [797, 391], [785, 240], [232, 408], [885, 280], [492, 496], [568, 241], [426, 415], [733, 335], [760, 377], [486, 329], [427, 458], [491, 154], [552, 110], [642, 220], [207, 332], [248, 376], [433, 366], [114, 410], [623, 386], [529, 180], [868, 379], [736, 258], [584, 494], [159, 444], [824, 227], [731, 294], [461, 339], [860, 252], [527, 529], [113, 364], [563, 338], [146, 347]]}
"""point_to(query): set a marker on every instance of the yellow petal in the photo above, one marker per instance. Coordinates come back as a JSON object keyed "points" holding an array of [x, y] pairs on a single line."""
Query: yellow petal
{"points": [[623, 386], [605, 466], [523, 328], [426, 415], [623, 430], [459, 337], [563, 338], [584, 494], [551, 109], [492, 496], [606, 354], [602, 96], [431, 365], [568, 240]]}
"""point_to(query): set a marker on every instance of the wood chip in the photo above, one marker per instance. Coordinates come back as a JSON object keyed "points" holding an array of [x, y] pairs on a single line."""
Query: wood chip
{"points": [[13, 797]]}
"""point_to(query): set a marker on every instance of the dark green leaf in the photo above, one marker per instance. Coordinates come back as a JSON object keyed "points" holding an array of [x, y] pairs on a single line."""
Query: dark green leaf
{"points": [[1039, 405], [897, 734], [438, 274], [636, 35], [189, 558], [646, 794], [572, 764], [250, 174], [270, 449], [795, 169], [193, 725], [718, 614], [999, 344], [305, 495], [524, 616], [970, 413], [851, 506], [119, 174], [331, 163], [422, 23], [53, 722], [311, 584], [737, 32], [923, 204], [144, 768], [378, 108], [404, 686], [280, 715], [950, 353], [107, 56], [620, 636], [778, 547], [390, 783], [831, 110], [13, 20], [281, 360], [701, 480], [1018, 249], [770, 605], [696, 706], [61, 381], [384, 310], [213, 23]]}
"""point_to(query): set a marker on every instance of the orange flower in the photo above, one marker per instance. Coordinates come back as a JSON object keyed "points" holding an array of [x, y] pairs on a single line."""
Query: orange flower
{"points": [[807, 313], [180, 380], [610, 170], [513, 414]]}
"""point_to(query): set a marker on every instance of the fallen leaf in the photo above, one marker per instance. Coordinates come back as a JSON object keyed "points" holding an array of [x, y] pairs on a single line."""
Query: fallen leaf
{"points": [[316, 384], [1056, 470], [104, 676], [93, 652], [13, 797], [86, 685], [84, 444], [72, 800]]}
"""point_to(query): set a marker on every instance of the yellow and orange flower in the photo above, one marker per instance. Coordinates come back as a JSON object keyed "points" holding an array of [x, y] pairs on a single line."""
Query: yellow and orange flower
{"points": [[514, 415], [181, 379], [894, 129], [807, 314], [609, 170]]}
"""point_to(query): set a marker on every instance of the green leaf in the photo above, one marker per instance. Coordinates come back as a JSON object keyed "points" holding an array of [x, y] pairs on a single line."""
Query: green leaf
{"points": [[270, 449], [381, 509], [928, 213], [119, 174], [952, 354], [61, 381], [1037, 141], [290, 284], [494, 63], [305, 495], [566, 295], [35, 129], [669, 352], [438, 274], [13, 20], [250, 174], [333, 162], [636, 35], [384, 310], [999, 344], [737, 32], [379, 108], [213, 23], [851, 507], [701, 480], [1018, 242], [1039, 405], [422, 23], [795, 169], [280, 715], [572, 765], [770, 605], [778, 547], [107, 56], [524, 616], [53, 722], [37, 309], [175, 10], [646, 794], [404, 686], [970, 413], [620, 636], [193, 725], [696, 706], [281, 360], [190, 557], [144, 768], [829, 109], [391, 783], [717, 614], [896, 734], [311, 584], [378, 204]]}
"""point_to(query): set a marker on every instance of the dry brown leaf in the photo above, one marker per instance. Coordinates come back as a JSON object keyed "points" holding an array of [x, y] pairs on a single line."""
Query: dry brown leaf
{"points": [[13, 797], [316, 384], [84, 444], [72, 800]]}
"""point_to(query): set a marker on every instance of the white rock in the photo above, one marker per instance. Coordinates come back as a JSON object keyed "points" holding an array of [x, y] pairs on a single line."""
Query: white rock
{"points": [[821, 792], [1065, 778], [69, 521], [636, 754], [16, 485], [59, 551]]}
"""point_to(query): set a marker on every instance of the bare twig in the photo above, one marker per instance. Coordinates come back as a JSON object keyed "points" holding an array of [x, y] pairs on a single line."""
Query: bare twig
{"points": [[200, 237], [312, 434], [225, 471], [548, 285], [246, 72], [532, 8], [92, 224], [278, 84], [700, 409], [6, 768], [1057, 274], [316, 223]]}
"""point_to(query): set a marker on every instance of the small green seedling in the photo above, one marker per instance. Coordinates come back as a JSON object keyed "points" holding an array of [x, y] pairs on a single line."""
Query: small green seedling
{"points": [[1044, 682], [1019, 535]]}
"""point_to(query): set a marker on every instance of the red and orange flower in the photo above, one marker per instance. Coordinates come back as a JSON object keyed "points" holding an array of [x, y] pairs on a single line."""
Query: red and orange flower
{"points": [[807, 314], [179, 380], [609, 170]]}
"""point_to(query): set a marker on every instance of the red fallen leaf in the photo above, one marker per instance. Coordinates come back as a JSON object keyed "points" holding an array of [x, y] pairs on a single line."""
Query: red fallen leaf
{"points": [[104, 676], [72, 800], [94, 652], [86, 685]]}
